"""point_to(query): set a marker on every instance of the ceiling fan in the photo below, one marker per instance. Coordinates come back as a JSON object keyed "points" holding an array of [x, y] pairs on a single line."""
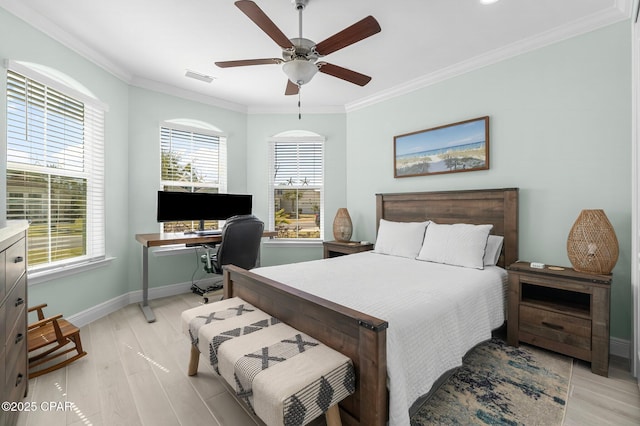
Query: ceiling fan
{"points": [[299, 55]]}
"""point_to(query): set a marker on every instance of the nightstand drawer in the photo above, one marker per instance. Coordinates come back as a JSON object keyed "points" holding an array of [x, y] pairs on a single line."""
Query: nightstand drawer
{"points": [[557, 327]]}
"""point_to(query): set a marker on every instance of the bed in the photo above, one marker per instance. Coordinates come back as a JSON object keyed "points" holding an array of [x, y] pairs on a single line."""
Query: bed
{"points": [[360, 330]]}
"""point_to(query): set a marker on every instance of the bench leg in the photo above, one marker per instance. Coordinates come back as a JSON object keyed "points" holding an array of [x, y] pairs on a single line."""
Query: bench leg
{"points": [[193, 361], [333, 416]]}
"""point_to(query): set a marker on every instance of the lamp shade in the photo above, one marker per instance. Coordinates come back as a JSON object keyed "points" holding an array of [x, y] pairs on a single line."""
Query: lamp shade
{"points": [[592, 245], [300, 71], [342, 226]]}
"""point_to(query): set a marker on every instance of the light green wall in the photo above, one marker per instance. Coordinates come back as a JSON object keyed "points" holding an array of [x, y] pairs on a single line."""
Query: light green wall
{"points": [[560, 130], [70, 295], [147, 109], [263, 126]]}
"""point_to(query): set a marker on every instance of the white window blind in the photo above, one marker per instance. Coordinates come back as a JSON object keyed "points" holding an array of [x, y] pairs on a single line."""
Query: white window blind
{"points": [[296, 187], [192, 160], [55, 172]]}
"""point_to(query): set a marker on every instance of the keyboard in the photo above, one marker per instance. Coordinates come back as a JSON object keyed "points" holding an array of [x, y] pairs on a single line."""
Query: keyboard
{"points": [[209, 232]]}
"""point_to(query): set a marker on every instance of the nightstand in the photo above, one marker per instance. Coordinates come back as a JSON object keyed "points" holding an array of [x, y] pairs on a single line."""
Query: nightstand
{"points": [[562, 310], [337, 248]]}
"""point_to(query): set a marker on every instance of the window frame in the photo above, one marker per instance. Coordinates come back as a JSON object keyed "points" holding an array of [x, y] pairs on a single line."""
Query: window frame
{"points": [[198, 128], [93, 130], [298, 137]]}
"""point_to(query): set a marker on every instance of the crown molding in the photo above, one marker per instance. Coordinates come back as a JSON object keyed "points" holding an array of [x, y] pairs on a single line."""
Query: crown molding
{"points": [[45, 26], [168, 89], [620, 12]]}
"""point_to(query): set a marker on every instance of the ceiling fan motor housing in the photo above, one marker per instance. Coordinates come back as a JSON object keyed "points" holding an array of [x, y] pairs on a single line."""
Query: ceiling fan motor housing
{"points": [[303, 48]]}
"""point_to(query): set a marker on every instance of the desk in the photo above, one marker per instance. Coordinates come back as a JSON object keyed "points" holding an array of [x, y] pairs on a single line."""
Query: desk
{"points": [[166, 239]]}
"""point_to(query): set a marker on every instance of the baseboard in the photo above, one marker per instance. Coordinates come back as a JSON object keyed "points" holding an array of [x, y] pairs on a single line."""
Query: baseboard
{"points": [[96, 312], [103, 309], [620, 347]]}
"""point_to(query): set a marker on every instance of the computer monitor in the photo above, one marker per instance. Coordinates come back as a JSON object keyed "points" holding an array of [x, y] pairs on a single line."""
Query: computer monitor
{"points": [[200, 206]]}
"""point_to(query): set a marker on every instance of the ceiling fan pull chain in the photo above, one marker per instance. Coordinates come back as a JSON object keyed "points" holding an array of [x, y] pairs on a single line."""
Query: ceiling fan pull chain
{"points": [[299, 109]]}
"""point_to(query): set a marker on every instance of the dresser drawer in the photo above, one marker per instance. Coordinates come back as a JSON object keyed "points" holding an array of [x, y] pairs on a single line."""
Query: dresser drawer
{"points": [[567, 329], [16, 380], [15, 342], [3, 267], [16, 304], [3, 321], [15, 262], [3, 379]]}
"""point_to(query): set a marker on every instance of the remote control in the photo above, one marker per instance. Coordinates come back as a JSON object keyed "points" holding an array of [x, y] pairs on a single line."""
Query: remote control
{"points": [[537, 265]]}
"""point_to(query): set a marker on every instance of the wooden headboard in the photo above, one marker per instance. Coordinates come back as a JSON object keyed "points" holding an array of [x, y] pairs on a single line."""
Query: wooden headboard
{"points": [[498, 207]]}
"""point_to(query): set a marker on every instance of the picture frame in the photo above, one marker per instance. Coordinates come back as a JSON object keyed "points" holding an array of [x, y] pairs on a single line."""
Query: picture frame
{"points": [[452, 148]]}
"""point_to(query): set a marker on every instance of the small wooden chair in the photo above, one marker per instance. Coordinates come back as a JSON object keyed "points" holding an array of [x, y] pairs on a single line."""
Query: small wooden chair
{"points": [[48, 337]]}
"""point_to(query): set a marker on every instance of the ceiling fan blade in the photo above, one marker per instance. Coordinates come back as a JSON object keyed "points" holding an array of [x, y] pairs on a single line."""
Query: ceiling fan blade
{"points": [[350, 35], [247, 62], [292, 88], [259, 18], [344, 73]]}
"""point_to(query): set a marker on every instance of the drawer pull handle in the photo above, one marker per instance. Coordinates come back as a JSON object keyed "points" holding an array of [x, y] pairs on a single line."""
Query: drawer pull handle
{"points": [[19, 338], [19, 301], [553, 326], [19, 379], [18, 259]]}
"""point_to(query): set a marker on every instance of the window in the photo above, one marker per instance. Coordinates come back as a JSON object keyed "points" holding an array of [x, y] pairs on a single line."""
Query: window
{"points": [[55, 171], [296, 186], [192, 159]]}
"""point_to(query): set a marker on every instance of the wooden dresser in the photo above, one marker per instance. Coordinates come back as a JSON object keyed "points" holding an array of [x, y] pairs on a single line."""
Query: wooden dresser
{"points": [[13, 312], [562, 310]]}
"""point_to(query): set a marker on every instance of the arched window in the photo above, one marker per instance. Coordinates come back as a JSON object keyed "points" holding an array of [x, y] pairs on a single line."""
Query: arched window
{"points": [[55, 166], [193, 156], [296, 185]]}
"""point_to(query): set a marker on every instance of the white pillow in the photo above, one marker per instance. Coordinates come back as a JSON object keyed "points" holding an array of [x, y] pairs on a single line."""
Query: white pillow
{"points": [[402, 239], [494, 247], [460, 244]]}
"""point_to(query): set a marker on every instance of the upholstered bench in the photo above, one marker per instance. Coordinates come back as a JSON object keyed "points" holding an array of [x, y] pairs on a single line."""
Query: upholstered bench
{"points": [[283, 375]]}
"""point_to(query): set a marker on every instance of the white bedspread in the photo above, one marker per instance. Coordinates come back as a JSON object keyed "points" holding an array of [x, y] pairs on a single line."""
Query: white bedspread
{"points": [[436, 313]]}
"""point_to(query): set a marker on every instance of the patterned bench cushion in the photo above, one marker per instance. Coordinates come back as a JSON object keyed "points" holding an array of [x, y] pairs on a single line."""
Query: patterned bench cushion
{"points": [[284, 376]]}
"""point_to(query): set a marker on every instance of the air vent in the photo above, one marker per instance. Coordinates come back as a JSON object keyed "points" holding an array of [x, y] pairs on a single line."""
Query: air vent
{"points": [[199, 76]]}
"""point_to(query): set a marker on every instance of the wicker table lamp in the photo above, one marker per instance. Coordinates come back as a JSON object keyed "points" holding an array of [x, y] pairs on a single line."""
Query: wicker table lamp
{"points": [[342, 226], [592, 245]]}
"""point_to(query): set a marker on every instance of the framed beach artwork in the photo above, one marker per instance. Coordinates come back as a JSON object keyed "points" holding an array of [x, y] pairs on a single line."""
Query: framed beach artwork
{"points": [[457, 147]]}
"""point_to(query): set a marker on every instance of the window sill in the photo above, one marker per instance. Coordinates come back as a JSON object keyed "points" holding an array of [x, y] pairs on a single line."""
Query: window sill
{"points": [[276, 242], [35, 278]]}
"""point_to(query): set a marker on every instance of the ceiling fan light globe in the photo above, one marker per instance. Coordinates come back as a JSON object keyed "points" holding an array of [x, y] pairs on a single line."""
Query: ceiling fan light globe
{"points": [[300, 71]]}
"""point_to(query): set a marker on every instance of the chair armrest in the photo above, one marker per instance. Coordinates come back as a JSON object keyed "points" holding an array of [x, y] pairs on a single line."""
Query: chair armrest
{"points": [[44, 321], [39, 309], [33, 308]]}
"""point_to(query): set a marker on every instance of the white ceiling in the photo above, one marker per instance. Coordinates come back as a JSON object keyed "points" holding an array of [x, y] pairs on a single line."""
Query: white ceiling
{"points": [[151, 43]]}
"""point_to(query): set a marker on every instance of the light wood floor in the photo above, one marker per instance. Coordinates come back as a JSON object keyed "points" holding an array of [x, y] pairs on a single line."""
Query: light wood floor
{"points": [[135, 374]]}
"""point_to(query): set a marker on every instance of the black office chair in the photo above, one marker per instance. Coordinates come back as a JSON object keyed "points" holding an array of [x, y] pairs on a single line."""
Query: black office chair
{"points": [[240, 246]]}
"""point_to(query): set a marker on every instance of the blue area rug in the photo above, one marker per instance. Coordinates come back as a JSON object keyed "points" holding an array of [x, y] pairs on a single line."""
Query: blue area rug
{"points": [[501, 385]]}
